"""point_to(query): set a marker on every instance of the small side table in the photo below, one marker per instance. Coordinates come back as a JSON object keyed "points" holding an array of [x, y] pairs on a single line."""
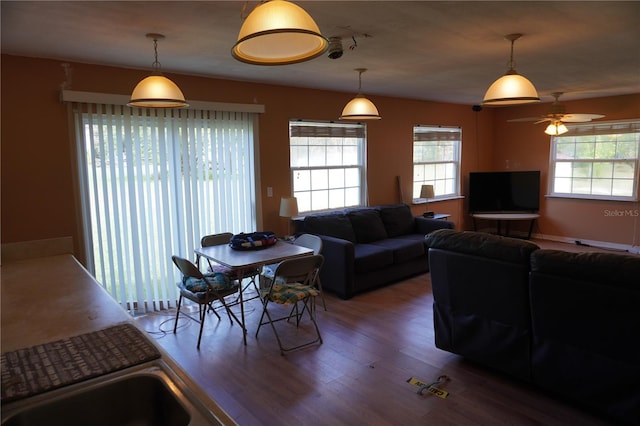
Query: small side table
{"points": [[507, 217], [439, 216]]}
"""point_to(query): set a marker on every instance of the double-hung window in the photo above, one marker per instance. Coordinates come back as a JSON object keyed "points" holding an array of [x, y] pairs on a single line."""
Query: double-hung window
{"points": [[596, 160], [436, 160], [328, 164]]}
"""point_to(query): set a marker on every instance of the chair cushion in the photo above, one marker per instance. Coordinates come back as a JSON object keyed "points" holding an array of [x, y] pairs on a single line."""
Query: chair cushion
{"points": [[290, 293], [216, 280], [397, 219], [333, 225], [367, 225]]}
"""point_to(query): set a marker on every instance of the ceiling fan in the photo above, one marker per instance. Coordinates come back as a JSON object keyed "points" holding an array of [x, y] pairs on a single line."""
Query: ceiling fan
{"points": [[557, 117]]}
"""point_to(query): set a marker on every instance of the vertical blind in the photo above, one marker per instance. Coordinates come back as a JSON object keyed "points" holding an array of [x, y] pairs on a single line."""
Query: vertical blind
{"points": [[153, 182]]}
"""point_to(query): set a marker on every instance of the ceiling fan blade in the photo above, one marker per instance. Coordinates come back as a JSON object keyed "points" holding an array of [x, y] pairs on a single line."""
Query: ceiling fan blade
{"points": [[579, 118], [520, 120]]}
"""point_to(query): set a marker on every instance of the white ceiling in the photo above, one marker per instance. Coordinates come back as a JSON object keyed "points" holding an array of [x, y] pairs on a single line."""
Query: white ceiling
{"points": [[431, 50]]}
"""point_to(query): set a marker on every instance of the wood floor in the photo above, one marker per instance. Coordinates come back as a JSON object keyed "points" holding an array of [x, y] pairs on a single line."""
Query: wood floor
{"points": [[373, 344]]}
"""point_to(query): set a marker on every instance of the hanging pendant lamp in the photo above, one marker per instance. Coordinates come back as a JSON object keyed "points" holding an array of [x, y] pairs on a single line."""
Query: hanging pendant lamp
{"points": [[157, 91], [278, 32], [512, 88], [360, 108]]}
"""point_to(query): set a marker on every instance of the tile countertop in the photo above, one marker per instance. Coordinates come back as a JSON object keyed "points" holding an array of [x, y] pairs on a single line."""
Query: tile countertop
{"points": [[51, 298]]}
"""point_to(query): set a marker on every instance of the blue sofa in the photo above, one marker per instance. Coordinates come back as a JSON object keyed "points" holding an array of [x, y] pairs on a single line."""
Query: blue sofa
{"points": [[369, 247]]}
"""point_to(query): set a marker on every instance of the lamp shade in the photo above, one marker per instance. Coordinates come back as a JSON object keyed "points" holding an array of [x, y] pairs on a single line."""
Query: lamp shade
{"points": [[426, 191], [511, 89], [278, 32], [288, 207], [157, 91], [556, 128], [360, 108]]}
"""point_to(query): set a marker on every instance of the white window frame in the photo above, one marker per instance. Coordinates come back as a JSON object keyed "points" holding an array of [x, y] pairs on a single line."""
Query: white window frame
{"points": [[322, 157], [442, 170], [585, 134]]}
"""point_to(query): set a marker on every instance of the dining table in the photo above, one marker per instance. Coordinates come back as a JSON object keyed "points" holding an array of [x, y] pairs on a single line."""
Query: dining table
{"points": [[241, 261]]}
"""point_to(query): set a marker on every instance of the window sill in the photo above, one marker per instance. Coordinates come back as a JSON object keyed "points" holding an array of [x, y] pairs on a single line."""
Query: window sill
{"points": [[420, 201], [591, 197]]}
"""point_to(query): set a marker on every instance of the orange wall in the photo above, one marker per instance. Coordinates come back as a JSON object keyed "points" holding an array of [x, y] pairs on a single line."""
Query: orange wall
{"points": [[525, 146], [37, 186]]}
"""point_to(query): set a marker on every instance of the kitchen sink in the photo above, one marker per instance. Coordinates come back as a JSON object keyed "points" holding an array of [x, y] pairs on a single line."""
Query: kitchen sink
{"points": [[144, 395]]}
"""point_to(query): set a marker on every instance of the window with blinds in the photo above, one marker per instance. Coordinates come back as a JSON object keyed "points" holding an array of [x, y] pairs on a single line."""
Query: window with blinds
{"points": [[436, 160], [596, 160], [328, 164], [153, 182]]}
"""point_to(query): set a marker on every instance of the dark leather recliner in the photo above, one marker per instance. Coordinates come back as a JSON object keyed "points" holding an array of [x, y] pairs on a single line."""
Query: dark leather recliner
{"points": [[566, 322], [481, 298], [586, 329]]}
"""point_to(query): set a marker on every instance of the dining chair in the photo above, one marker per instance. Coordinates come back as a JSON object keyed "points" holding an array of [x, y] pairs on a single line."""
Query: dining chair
{"points": [[203, 289], [293, 283], [310, 241], [220, 239]]}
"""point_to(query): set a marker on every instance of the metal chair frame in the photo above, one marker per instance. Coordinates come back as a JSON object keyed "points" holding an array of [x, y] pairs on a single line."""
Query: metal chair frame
{"points": [[301, 272], [310, 241], [188, 269], [221, 239]]}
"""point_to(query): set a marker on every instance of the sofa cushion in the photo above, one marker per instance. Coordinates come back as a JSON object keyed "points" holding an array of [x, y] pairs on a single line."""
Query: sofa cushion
{"points": [[367, 225], [404, 249], [333, 225], [397, 219], [369, 257]]}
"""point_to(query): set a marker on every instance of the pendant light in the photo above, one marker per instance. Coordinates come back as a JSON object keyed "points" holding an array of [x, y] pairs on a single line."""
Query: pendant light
{"points": [[360, 108], [511, 88], [556, 128], [157, 91], [278, 32]]}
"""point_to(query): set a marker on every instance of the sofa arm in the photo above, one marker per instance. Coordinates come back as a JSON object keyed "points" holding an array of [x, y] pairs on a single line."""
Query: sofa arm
{"points": [[426, 225], [337, 273]]}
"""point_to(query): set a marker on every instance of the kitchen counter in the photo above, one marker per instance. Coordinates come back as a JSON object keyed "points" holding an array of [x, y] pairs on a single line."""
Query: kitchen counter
{"points": [[51, 298]]}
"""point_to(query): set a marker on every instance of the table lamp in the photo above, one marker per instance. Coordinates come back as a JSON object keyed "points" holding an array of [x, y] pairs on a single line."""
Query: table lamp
{"points": [[426, 192], [288, 209]]}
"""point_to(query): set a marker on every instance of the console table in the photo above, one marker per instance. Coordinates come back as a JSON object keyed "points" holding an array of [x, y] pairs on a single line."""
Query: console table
{"points": [[507, 217]]}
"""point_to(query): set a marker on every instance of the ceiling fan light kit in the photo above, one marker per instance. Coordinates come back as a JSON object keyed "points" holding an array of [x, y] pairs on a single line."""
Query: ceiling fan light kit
{"points": [[156, 90], [278, 32], [556, 128], [360, 108], [512, 88], [556, 117]]}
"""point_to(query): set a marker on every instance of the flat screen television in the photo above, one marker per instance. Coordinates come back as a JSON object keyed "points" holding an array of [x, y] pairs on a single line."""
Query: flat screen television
{"points": [[504, 192]]}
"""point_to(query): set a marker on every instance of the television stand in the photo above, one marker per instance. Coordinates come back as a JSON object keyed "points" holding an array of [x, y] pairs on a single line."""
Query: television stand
{"points": [[507, 217]]}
